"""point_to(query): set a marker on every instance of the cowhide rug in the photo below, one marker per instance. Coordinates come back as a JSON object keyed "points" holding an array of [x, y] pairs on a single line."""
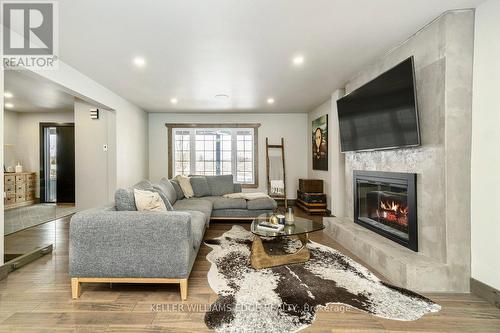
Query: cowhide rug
{"points": [[285, 298]]}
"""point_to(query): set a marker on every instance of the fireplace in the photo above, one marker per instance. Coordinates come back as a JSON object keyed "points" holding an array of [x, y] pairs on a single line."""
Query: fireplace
{"points": [[386, 203]]}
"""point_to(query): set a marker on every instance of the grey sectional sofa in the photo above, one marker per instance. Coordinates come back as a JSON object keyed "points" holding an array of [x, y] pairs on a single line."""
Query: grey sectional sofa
{"points": [[120, 244]]}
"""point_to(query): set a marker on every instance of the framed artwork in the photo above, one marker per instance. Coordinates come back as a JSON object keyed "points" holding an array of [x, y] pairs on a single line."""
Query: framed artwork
{"points": [[320, 143]]}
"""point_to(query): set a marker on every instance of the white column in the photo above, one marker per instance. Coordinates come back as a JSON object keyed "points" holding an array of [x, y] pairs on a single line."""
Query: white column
{"points": [[337, 163]]}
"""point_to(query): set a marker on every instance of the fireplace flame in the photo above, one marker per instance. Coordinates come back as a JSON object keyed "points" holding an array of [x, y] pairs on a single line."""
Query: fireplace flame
{"points": [[393, 211]]}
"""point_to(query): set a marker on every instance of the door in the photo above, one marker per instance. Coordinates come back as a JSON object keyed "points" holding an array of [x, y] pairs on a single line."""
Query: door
{"points": [[65, 164], [57, 162]]}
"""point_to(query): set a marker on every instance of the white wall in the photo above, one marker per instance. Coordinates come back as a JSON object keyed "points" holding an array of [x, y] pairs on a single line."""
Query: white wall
{"points": [[94, 167], [131, 121], [26, 139], [292, 127], [485, 140], [10, 138]]}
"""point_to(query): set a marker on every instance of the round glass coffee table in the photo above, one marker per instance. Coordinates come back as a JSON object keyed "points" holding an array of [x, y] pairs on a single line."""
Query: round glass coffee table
{"points": [[301, 227]]}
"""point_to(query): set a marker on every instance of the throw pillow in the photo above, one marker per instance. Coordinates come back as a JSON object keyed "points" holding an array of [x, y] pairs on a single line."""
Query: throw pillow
{"points": [[168, 189], [124, 199], [185, 185], [178, 190], [220, 185], [149, 201], [200, 186]]}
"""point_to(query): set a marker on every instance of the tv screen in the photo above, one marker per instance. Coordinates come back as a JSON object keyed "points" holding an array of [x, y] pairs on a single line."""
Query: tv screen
{"points": [[382, 114]]}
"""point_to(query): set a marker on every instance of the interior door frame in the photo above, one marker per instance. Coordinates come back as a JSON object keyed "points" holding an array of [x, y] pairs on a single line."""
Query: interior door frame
{"points": [[42, 127]]}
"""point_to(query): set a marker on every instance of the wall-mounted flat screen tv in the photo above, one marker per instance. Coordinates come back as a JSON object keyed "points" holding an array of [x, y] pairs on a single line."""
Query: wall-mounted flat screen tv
{"points": [[382, 114]]}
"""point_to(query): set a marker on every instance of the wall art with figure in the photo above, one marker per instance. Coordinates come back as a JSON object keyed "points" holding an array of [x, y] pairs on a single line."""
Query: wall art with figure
{"points": [[320, 143]]}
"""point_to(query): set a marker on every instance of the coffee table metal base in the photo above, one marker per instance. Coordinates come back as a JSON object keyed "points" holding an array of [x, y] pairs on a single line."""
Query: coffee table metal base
{"points": [[260, 259]]}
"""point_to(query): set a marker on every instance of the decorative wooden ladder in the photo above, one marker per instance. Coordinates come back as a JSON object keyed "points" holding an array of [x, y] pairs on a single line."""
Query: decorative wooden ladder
{"points": [[269, 189]]}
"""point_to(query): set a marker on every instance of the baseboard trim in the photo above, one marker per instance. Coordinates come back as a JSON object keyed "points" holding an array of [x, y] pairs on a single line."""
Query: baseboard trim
{"points": [[482, 290]]}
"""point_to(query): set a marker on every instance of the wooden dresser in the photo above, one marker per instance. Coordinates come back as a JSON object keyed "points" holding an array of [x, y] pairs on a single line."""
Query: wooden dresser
{"points": [[19, 189]]}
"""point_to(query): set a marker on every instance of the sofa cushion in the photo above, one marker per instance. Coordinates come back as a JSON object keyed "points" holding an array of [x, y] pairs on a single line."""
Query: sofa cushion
{"points": [[124, 199], [263, 203], [227, 203], [250, 214], [200, 186], [168, 190], [178, 189], [198, 225], [220, 185], [197, 204]]}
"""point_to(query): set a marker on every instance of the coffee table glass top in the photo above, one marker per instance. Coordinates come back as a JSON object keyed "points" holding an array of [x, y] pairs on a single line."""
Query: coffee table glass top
{"points": [[300, 226]]}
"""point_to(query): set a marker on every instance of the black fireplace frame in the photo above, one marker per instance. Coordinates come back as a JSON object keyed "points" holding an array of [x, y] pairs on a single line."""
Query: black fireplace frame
{"points": [[399, 178]]}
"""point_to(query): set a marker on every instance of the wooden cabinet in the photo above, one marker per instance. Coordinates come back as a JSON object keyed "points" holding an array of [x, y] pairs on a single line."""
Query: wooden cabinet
{"points": [[19, 189]]}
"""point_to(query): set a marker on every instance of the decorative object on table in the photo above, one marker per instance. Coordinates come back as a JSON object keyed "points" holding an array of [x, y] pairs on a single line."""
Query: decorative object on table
{"points": [[320, 143], [19, 168], [329, 277], [289, 217], [273, 219], [310, 196], [281, 219], [10, 169], [276, 175], [289, 229], [267, 226]]}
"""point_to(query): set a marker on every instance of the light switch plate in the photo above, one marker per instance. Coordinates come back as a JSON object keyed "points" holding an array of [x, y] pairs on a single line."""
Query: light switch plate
{"points": [[104, 147]]}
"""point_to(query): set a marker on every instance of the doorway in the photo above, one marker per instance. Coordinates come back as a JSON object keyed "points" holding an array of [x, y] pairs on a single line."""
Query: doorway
{"points": [[57, 163]]}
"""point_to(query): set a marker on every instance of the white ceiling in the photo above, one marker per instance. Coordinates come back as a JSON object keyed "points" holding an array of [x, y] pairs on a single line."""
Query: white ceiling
{"points": [[196, 49], [32, 93]]}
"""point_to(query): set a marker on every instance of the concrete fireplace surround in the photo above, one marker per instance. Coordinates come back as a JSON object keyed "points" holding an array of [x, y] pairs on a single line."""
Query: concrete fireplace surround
{"points": [[443, 53]]}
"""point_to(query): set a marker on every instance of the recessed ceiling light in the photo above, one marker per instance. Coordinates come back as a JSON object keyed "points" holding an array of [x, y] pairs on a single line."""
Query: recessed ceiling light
{"points": [[222, 97], [8, 94], [174, 100], [139, 61], [270, 100], [298, 60], [9, 105]]}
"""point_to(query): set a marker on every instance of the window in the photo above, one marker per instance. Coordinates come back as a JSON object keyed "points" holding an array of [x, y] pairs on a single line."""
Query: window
{"points": [[209, 150]]}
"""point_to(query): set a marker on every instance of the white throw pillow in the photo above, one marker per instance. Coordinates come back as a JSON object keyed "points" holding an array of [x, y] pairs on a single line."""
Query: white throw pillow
{"points": [[185, 185], [149, 201]]}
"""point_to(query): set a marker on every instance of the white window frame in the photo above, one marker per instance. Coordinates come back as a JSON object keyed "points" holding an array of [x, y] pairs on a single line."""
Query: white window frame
{"points": [[234, 128]]}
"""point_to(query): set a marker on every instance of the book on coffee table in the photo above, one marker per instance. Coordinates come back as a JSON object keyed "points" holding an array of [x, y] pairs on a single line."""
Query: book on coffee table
{"points": [[270, 226]]}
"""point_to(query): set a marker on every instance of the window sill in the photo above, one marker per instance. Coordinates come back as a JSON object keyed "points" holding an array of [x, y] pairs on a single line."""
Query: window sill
{"points": [[249, 185]]}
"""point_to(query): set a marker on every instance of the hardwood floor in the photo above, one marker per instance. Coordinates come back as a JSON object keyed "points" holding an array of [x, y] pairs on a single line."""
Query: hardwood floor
{"points": [[37, 298]]}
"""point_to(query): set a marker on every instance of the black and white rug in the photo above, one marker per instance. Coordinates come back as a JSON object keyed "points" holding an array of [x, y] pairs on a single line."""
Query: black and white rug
{"points": [[286, 298]]}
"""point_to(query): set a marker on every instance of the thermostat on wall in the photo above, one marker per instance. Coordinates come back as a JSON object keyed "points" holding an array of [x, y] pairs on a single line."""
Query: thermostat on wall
{"points": [[94, 113]]}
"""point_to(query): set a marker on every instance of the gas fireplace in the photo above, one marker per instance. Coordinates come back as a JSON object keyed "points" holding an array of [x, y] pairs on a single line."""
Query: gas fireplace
{"points": [[386, 203]]}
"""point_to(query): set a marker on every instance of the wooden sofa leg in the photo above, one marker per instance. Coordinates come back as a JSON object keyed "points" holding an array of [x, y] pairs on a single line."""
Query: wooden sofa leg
{"points": [[76, 288], [184, 289]]}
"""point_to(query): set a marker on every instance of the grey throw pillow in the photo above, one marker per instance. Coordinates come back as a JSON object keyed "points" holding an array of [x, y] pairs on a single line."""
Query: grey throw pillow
{"points": [[167, 188], [200, 186], [125, 200], [178, 189], [220, 185], [163, 197], [144, 185]]}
